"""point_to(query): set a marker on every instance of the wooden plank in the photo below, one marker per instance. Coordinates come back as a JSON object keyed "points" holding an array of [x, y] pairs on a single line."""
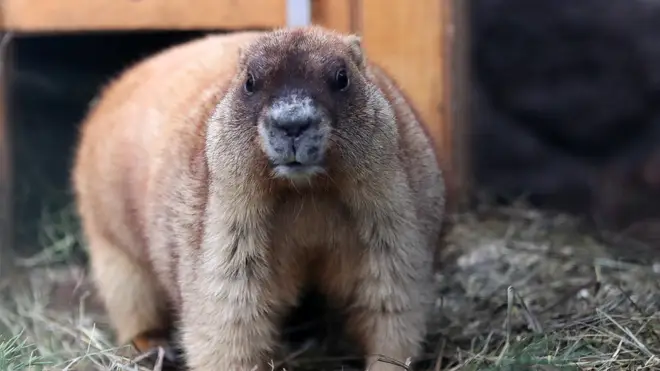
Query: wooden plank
{"points": [[6, 232], [457, 88], [409, 40], [334, 14], [81, 15]]}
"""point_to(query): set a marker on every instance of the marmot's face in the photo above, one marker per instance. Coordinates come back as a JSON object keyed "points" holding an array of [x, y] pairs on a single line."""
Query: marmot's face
{"points": [[297, 89]]}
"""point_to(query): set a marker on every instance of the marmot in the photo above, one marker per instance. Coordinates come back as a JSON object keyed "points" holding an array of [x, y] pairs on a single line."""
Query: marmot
{"points": [[218, 178]]}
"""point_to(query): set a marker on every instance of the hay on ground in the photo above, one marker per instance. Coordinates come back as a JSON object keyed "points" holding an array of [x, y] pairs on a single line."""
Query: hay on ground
{"points": [[519, 290]]}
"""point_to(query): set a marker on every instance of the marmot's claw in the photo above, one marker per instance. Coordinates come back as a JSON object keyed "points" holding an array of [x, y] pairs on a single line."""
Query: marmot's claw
{"points": [[171, 355], [157, 350]]}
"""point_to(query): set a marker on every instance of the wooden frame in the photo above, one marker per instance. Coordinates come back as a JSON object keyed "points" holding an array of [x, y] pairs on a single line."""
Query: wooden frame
{"points": [[85, 15], [457, 85], [6, 251]]}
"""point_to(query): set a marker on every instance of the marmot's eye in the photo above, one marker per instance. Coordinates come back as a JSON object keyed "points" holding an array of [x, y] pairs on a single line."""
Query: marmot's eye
{"points": [[341, 80], [249, 84]]}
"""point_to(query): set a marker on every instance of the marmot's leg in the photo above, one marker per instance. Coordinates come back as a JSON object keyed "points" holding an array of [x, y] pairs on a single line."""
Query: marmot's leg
{"points": [[135, 305], [388, 316], [233, 305], [386, 312], [391, 285]]}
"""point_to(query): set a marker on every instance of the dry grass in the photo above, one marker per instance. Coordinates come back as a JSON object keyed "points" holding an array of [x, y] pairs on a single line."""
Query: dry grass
{"points": [[520, 291]]}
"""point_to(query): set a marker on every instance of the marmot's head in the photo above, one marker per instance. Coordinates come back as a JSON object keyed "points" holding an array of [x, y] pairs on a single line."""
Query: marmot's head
{"points": [[305, 94]]}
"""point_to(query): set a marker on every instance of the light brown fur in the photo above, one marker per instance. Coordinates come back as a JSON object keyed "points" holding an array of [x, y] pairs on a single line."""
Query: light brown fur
{"points": [[181, 211]]}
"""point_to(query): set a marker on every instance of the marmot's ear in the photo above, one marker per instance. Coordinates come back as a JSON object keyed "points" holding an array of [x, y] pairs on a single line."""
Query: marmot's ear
{"points": [[354, 43]]}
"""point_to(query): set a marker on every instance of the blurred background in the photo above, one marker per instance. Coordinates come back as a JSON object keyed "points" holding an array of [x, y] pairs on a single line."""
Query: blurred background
{"points": [[566, 106]]}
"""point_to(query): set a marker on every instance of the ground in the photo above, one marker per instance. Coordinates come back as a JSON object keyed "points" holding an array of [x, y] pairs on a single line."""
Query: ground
{"points": [[519, 290]]}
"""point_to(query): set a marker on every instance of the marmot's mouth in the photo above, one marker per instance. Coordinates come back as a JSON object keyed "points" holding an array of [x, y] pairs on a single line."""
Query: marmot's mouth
{"points": [[296, 170], [291, 164]]}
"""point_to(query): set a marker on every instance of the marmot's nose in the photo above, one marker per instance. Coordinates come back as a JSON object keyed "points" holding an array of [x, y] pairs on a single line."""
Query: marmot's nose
{"points": [[294, 127], [293, 114]]}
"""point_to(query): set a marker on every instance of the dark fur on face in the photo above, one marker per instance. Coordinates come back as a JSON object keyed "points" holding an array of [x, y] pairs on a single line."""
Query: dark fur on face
{"points": [[302, 92]]}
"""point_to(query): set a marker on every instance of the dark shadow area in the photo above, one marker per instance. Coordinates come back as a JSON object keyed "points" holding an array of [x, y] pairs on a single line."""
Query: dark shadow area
{"points": [[567, 105], [51, 81]]}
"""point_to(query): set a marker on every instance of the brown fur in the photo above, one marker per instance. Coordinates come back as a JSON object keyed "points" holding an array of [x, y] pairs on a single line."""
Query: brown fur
{"points": [[182, 211]]}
